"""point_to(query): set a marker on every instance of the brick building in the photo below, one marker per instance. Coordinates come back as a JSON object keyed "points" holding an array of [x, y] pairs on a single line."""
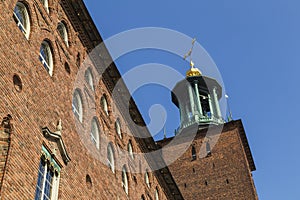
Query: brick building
{"points": [[61, 135]]}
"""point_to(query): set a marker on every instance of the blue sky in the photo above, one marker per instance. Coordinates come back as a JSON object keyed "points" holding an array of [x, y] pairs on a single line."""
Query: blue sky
{"points": [[256, 46]]}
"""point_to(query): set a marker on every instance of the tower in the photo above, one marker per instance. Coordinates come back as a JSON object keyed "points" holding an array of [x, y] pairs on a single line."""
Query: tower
{"points": [[217, 165], [197, 98]]}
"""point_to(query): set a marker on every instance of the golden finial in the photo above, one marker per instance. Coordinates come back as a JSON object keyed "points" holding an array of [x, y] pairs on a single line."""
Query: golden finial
{"points": [[192, 64], [192, 71]]}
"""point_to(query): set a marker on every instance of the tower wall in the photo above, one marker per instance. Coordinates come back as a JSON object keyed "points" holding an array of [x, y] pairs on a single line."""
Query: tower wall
{"points": [[223, 174]]}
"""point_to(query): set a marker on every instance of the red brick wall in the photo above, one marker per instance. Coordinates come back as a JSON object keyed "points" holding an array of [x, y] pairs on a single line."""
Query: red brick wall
{"points": [[4, 149], [223, 175], [42, 101]]}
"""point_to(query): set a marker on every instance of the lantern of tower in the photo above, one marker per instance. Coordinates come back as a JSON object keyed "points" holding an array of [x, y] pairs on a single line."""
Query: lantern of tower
{"points": [[197, 98]]}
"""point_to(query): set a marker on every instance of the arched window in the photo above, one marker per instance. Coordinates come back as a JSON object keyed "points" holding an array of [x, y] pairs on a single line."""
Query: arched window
{"points": [[78, 60], [95, 132], [46, 56], [46, 6], [61, 27], [118, 128], [130, 151], [208, 150], [21, 17], [89, 78], [77, 105], [142, 197], [147, 178], [110, 157], [156, 195], [124, 179], [104, 104], [194, 154]]}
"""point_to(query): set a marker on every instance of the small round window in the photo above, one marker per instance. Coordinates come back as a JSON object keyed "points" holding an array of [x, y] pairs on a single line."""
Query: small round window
{"points": [[17, 83]]}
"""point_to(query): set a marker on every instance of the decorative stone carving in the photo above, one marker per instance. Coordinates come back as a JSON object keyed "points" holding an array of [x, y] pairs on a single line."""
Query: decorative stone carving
{"points": [[56, 137]]}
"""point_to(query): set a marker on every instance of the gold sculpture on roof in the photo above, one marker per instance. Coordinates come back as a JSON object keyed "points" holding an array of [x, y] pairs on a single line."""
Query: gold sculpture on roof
{"points": [[192, 71]]}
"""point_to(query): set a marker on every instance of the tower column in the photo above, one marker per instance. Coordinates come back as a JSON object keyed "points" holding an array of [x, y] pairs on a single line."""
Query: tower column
{"points": [[182, 114], [198, 98], [216, 102], [191, 96], [211, 108]]}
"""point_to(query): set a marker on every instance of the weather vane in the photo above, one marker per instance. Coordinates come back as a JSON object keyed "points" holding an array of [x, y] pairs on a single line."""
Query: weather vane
{"points": [[189, 53]]}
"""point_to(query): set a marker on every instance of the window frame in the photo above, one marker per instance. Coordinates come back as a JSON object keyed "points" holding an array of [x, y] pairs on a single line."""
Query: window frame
{"points": [[208, 149], [78, 112], [95, 137], [46, 56], [25, 26], [125, 179], [48, 177], [147, 178], [104, 104], [156, 194], [63, 32], [88, 76], [46, 5], [111, 157], [118, 128], [130, 149], [194, 153]]}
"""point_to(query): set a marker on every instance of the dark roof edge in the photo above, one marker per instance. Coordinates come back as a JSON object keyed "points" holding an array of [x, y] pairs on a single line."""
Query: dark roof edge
{"points": [[245, 143]]}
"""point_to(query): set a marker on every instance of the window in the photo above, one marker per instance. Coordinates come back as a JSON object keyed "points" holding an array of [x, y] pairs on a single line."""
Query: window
{"points": [[130, 151], [22, 18], [110, 157], [142, 197], [78, 61], [95, 132], [156, 195], [61, 27], [77, 105], [48, 177], [88, 181], [124, 179], [118, 128], [89, 78], [208, 150], [104, 104], [194, 155], [206, 105], [67, 68], [45, 3], [46, 56], [147, 178]]}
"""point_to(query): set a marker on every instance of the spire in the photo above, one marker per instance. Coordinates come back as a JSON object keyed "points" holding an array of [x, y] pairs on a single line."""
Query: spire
{"points": [[197, 98], [192, 71]]}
